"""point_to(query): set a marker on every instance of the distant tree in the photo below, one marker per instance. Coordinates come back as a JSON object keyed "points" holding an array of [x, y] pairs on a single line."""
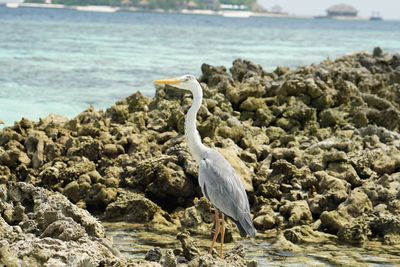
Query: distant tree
{"points": [[88, 2], [154, 4], [248, 3]]}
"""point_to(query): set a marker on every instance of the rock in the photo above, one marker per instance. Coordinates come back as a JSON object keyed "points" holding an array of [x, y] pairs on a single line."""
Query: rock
{"points": [[198, 218], [130, 206], [72, 191], [355, 233], [213, 76], [34, 145], [84, 146], [169, 259], [13, 158], [251, 87], [297, 212], [66, 230], [344, 219], [189, 246], [170, 181], [378, 52], [153, 254], [137, 102], [253, 104], [241, 169], [265, 218], [304, 234], [58, 222], [244, 69], [113, 150], [387, 163]]}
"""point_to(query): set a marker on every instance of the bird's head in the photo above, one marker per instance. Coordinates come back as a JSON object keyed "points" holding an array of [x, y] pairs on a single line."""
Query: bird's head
{"points": [[186, 82]]}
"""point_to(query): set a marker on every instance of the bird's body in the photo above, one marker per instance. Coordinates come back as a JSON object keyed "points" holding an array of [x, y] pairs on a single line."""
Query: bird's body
{"points": [[218, 180]]}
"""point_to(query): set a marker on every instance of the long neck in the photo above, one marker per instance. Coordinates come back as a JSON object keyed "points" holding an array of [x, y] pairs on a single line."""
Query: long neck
{"points": [[192, 135]]}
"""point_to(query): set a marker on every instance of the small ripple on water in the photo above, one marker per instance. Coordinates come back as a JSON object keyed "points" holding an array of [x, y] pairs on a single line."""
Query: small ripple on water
{"points": [[135, 244]]}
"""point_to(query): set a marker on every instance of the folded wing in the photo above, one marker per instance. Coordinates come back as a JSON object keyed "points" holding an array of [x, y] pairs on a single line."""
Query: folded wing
{"points": [[224, 189]]}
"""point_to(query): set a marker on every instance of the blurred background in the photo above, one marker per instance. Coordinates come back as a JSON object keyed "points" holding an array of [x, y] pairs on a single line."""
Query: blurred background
{"points": [[60, 56]]}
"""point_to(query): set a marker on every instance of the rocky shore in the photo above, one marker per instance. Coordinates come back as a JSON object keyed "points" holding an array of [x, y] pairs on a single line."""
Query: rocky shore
{"points": [[317, 147]]}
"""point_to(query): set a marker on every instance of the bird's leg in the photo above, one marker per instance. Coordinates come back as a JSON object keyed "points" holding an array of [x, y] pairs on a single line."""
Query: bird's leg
{"points": [[222, 235], [216, 231]]}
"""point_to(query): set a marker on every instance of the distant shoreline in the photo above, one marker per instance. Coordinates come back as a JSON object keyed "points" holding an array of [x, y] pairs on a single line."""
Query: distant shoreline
{"points": [[111, 9]]}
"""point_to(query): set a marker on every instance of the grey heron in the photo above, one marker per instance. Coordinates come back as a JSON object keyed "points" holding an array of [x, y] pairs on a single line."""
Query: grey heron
{"points": [[217, 178]]}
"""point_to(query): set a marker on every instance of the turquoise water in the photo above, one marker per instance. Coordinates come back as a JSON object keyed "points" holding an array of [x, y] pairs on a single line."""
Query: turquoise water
{"points": [[61, 61]]}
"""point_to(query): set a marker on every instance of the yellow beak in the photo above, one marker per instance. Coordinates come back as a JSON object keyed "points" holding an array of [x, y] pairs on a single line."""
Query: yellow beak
{"points": [[167, 81]]}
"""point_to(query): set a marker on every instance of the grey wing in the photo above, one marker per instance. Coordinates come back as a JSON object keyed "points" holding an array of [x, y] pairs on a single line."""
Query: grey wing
{"points": [[223, 188]]}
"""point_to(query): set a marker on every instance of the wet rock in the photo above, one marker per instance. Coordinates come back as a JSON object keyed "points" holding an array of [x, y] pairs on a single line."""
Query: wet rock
{"points": [[198, 218], [265, 218], [305, 234], [355, 233], [169, 259], [189, 246], [344, 219], [153, 254]]}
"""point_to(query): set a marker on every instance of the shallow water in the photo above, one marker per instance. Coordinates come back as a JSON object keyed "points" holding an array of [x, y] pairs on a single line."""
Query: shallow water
{"points": [[61, 61], [135, 243]]}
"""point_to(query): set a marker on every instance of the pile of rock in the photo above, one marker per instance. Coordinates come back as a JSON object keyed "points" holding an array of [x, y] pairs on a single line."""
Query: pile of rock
{"points": [[318, 148], [41, 228]]}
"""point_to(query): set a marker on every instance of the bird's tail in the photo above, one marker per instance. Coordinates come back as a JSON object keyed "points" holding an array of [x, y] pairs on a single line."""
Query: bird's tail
{"points": [[245, 226]]}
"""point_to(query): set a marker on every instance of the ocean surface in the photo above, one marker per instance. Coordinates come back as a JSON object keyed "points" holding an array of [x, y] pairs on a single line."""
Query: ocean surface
{"points": [[62, 61]]}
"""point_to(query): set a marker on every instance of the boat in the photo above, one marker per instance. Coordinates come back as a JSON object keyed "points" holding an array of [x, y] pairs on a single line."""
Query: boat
{"points": [[105, 9], [375, 16], [12, 5], [235, 14]]}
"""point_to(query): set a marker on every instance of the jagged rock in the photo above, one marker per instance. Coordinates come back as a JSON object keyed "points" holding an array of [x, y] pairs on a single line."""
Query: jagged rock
{"points": [[305, 234], [64, 235], [189, 246], [130, 206], [297, 212], [153, 254]]}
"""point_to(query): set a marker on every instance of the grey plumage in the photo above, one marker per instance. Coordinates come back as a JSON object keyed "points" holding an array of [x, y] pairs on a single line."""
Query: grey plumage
{"points": [[223, 188]]}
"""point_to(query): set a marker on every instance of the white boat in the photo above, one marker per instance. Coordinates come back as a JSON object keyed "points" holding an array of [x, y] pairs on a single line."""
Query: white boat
{"points": [[12, 5], [235, 14], [106, 9]]}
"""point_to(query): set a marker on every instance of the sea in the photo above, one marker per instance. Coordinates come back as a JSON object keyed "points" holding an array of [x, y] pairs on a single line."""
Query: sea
{"points": [[59, 61]]}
